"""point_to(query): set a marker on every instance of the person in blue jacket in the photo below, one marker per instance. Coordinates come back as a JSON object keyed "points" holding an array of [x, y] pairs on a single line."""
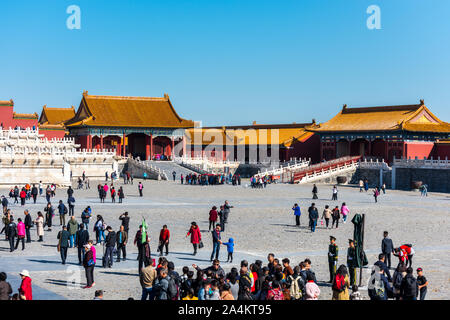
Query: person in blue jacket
{"points": [[297, 214], [230, 249]]}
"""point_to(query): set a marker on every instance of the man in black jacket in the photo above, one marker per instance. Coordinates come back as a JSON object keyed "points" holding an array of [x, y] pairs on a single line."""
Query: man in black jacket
{"points": [[122, 238], [34, 193], [11, 232], [110, 243], [409, 287], [63, 237], [382, 266], [28, 224], [125, 221], [4, 204], [81, 239], [313, 216], [387, 247]]}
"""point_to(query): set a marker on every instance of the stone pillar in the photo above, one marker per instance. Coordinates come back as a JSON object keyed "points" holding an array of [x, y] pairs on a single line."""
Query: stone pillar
{"points": [[393, 178]]}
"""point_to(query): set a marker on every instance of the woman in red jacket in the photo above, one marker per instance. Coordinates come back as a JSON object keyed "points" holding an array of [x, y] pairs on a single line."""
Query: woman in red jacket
{"points": [[25, 290], [196, 236], [164, 236], [23, 195], [212, 218]]}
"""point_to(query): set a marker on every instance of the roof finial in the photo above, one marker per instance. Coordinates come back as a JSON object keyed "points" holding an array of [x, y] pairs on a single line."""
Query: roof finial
{"points": [[12, 102], [166, 96], [344, 107], [85, 93], [422, 102], [314, 121]]}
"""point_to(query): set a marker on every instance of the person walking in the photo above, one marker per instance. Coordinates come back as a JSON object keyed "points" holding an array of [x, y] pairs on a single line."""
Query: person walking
{"points": [[376, 193], [140, 187], [387, 247], [63, 237], [313, 217], [20, 234], [174, 175], [110, 243], [121, 194], [39, 222], [333, 251], [344, 211], [196, 236], [34, 193], [85, 217], [25, 290], [340, 284], [28, 224], [62, 210], [71, 203], [89, 264], [23, 195], [99, 229], [72, 227], [335, 193], [226, 213], [314, 192], [122, 238], [361, 185], [352, 261], [216, 243], [5, 203], [49, 213], [11, 232], [81, 239], [113, 195], [212, 218], [144, 253], [164, 237], [327, 215], [297, 214], [336, 216]]}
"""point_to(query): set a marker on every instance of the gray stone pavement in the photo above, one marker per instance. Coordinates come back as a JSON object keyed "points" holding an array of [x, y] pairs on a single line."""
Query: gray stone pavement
{"points": [[260, 222]]}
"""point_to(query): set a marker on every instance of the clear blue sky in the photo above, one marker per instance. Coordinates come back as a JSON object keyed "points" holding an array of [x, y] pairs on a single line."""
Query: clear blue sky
{"points": [[229, 61]]}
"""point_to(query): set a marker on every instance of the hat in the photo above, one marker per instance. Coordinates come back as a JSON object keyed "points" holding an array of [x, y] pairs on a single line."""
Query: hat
{"points": [[25, 273], [419, 269], [332, 238], [350, 241]]}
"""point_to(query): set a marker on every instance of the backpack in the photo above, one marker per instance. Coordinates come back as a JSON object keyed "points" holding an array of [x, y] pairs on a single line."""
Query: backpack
{"points": [[277, 294], [339, 283], [295, 290], [173, 291], [410, 287], [397, 283], [65, 210], [379, 290]]}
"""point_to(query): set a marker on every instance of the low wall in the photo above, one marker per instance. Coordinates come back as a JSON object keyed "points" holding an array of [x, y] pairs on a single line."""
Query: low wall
{"points": [[93, 170], [11, 176], [437, 180], [372, 175]]}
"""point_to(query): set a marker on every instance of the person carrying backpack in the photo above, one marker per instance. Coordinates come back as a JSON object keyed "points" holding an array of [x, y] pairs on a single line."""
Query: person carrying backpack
{"points": [[297, 285], [340, 284], [397, 279], [409, 286], [379, 288]]}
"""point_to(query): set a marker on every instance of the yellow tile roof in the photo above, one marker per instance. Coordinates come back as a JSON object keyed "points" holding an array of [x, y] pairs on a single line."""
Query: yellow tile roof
{"points": [[112, 111], [56, 116], [249, 135], [25, 115], [389, 118]]}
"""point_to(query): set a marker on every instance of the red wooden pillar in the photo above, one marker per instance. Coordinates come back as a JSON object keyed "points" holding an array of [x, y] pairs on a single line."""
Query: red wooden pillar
{"points": [[101, 142], [147, 147], [386, 151], [173, 147], [151, 147], [124, 146], [89, 142], [321, 150]]}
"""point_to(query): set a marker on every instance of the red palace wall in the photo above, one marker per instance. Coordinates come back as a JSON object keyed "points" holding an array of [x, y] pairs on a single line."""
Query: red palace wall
{"points": [[441, 150], [7, 118], [308, 149], [418, 149], [50, 134]]}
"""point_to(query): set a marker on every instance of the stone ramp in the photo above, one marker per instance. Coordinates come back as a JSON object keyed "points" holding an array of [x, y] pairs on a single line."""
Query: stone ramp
{"points": [[168, 167]]}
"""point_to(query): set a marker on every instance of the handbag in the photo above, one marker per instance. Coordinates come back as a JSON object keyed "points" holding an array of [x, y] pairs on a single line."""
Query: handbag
{"points": [[90, 263], [200, 245]]}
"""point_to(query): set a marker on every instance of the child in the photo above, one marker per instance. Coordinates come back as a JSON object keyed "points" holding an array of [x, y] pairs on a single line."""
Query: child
{"points": [[230, 249], [422, 283], [356, 295], [190, 295]]}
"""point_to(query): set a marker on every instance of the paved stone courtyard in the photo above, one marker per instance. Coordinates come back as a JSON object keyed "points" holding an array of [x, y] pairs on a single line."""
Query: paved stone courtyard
{"points": [[260, 222]]}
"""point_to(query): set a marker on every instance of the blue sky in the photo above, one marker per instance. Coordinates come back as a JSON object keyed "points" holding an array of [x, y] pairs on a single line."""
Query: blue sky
{"points": [[227, 62]]}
